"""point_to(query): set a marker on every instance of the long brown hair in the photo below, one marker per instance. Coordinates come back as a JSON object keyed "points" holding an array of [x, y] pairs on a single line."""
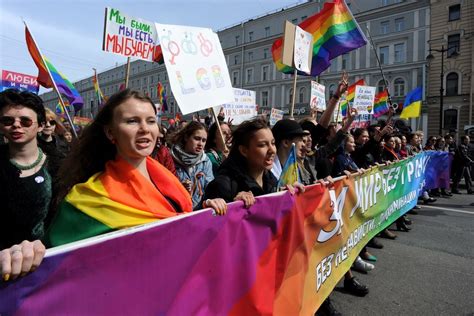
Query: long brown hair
{"points": [[182, 136], [93, 149]]}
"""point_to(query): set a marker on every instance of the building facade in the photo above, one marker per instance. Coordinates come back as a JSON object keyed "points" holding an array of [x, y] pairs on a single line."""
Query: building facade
{"points": [[451, 30], [400, 31]]}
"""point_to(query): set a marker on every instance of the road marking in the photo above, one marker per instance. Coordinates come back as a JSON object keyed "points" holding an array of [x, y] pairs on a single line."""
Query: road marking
{"points": [[448, 209]]}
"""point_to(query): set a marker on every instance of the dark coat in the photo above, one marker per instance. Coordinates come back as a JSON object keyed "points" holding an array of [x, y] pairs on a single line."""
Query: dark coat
{"points": [[232, 178]]}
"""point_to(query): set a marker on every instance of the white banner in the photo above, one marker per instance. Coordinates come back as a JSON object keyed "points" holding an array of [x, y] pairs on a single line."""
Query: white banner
{"points": [[196, 67], [318, 96], [364, 99], [129, 36], [275, 116], [243, 108], [303, 49]]}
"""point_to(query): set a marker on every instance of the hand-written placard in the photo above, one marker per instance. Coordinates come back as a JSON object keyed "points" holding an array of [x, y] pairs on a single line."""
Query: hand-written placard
{"points": [[129, 36], [303, 49], [196, 67], [243, 108], [362, 121], [318, 97], [364, 99], [275, 116]]}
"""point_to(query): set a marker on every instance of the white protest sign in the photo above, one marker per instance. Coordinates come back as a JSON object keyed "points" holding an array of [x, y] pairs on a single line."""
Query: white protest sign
{"points": [[364, 99], [129, 36], [318, 97], [243, 108], [275, 116], [303, 50], [196, 67]]}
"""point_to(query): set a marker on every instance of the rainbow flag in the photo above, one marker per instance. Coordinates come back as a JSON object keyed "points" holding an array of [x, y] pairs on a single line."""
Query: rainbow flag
{"points": [[412, 105], [100, 96], [59, 109], [350, 96], [162, 97], [290, 172], [335, 32], [108, 201], [47, 74], [381, 105]]}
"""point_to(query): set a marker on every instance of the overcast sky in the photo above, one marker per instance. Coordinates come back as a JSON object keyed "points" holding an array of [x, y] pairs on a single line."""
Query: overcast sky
{"points": [[69, 33]]}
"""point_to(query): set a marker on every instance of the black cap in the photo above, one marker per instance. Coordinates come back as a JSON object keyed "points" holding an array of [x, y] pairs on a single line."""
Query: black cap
{"points": [[287, 129]]}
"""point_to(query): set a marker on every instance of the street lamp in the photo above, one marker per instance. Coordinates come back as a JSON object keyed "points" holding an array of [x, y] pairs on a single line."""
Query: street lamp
{"points": [[430, 58]]}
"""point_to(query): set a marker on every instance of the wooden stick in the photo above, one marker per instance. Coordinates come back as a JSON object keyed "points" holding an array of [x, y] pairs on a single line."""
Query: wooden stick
{"points": [[292, 108], [219, 128], [127, 72]]}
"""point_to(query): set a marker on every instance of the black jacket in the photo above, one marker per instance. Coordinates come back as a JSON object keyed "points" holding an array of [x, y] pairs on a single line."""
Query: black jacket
{"points": [[232, 178]]}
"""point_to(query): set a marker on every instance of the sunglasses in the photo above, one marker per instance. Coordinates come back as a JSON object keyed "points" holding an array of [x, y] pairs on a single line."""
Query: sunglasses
{"points": [[52, 122], [9, 121]]}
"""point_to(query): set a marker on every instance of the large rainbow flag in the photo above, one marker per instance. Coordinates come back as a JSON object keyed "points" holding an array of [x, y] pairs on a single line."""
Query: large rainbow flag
{"points": [[350, 96], [282, 256], [381, 105], [47, 74], [335, 32]]}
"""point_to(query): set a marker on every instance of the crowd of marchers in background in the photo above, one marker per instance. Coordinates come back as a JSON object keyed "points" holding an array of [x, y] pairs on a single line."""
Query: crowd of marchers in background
{"points": [[179, 167]]}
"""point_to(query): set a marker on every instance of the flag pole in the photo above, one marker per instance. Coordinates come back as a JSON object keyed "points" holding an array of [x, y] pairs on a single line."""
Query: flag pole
{"points": [[292, 108], [61, 101], [127, 72], [219, 128]]}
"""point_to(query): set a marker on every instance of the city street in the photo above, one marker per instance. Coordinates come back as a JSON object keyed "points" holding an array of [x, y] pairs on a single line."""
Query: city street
{"points": [[427, 271]]}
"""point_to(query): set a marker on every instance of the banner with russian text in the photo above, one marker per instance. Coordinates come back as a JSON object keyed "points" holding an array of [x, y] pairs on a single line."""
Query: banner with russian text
{"points": [[282, 256], [130, 36], [244, 106], [15, 80]]}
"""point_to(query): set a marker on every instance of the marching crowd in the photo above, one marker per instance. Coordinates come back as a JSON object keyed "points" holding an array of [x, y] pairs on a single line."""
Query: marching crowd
{"points": [[46, 177]]}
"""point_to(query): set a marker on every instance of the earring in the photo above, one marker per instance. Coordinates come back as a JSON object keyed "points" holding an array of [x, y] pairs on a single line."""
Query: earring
{"points": [[112, 141]]}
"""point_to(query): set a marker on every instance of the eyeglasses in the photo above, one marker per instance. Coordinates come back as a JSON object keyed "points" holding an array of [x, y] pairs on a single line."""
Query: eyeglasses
{"points": [[25, 121], [51, 122]]}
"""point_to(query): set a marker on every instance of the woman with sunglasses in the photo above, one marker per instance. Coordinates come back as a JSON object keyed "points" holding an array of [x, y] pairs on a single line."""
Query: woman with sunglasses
{"points": [[25, 179]]}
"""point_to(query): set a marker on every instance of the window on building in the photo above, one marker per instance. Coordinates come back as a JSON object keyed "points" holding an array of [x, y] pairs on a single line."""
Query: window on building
{"points": [[152, 79], [399, 24], [333, 66], [267, 31], [266, 53], [265, 73], [250, 36], [237, 40], [400, 53], [235, 78], [453, 44], [383, 55], [450, 119], [452, 81], [332, 89], [384, 2], [380, 86], [294, 21], [303, 17], [454, 12], [384, 27], [264, 98], [250, 56], [236, 59], [144, 81], [399, 87], [345, 61], [290, 95], [249, 77], [302, 94]]}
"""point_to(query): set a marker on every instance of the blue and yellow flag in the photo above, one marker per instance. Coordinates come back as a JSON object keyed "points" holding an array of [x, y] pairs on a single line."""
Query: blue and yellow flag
{"points": [[412, 105], [289, 174]]}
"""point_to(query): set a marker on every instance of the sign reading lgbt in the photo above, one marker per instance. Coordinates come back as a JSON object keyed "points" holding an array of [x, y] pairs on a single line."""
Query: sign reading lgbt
{"points": [[282, 256], [129, 36], [243, 108], [196, 67], [15, 80]]}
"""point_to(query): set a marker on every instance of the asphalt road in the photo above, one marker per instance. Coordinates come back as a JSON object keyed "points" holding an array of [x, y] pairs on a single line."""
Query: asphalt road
{"points": [[427, 271]]}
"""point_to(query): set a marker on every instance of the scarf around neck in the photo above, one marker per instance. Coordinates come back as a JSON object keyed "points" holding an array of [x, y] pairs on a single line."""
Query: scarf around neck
{"points": [[183, 158]]}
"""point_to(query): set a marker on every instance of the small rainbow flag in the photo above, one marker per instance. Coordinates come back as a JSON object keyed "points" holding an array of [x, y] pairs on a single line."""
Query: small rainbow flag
{"points": [[162, 97], [60, 111], [335, 32], [381, 104], [48, 75], [100, 96], [350, 96], [290, 173]]}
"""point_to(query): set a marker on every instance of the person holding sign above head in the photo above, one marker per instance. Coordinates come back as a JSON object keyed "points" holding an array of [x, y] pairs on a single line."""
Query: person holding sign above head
{"points": [[116, 185]]}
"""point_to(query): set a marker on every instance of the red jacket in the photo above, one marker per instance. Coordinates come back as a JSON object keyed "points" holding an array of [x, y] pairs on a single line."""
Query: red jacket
{"points": [[163, 156]]}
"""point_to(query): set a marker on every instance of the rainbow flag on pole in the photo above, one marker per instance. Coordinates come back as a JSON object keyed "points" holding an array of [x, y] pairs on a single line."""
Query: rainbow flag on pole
{"points": [[49, 76], [350, 96], [381, 105], [100, 96], [335, 32], [162, 97]]}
